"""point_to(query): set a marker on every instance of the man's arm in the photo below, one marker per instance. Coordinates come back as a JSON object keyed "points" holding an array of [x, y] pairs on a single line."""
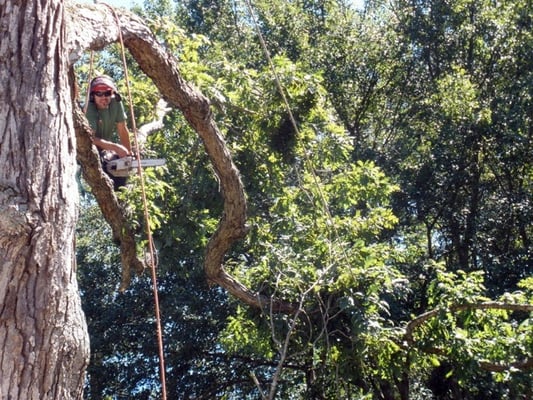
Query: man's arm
{"points": [[121, 150], [124, 135]]}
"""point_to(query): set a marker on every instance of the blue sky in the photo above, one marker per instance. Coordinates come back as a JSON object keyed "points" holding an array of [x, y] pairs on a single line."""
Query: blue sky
{"points": [[115, 3], [131, 3]]}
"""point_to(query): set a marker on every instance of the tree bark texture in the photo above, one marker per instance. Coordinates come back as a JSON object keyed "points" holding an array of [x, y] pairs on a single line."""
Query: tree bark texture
{"points": [[44, 344], [96, 26]]}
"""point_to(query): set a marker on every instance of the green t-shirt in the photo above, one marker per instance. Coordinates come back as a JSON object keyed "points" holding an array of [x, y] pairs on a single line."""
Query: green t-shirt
{"points": [[104, 122]]}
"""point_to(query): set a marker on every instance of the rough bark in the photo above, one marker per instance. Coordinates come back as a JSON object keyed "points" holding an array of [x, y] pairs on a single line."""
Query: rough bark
{"points": [[99, 29], [43, 334]]}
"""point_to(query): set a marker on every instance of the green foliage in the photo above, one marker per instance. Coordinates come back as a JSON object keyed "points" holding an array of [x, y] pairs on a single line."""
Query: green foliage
{"points": [[242, 335], [461, 337], [320, 245], [155, 192], [403, 189], [459, 99], [456, 287]]}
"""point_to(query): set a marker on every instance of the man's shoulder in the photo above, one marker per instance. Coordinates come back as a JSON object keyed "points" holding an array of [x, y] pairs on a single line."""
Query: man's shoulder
{"points": [[115, 103], [117, 109]]}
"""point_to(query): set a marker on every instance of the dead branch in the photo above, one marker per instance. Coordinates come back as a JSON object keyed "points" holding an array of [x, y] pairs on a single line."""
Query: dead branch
{"points": [[144, 131]]}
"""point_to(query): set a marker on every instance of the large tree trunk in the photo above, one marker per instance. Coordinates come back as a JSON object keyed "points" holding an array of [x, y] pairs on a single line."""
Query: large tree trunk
{"points": [[43, 335]]}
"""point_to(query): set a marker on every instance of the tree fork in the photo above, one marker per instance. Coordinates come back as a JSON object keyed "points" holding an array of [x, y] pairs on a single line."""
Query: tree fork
{"points": [[162, 68]]}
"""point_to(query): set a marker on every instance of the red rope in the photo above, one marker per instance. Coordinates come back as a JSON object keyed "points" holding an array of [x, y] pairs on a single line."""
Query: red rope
{"points": [[146, 217], [90, 77]]}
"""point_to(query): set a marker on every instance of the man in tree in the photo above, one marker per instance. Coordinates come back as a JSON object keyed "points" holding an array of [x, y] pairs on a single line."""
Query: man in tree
{"points": [[107, 117]]}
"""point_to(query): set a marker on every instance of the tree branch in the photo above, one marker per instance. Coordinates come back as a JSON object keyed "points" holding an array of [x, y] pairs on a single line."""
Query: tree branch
{"points": [[524, 365], [144, 131], [422, 318], [88, 32]]}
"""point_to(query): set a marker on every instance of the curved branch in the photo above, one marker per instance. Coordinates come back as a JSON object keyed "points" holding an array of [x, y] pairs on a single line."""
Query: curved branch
{"points": [[422, 318], [162, 68]]}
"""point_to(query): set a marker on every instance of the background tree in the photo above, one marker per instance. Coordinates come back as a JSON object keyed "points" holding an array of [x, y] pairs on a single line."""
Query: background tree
{"points": [[386, 262]]}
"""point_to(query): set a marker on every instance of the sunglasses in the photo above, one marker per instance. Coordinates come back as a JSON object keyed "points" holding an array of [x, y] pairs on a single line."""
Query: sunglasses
{"points": [[107, 93]]}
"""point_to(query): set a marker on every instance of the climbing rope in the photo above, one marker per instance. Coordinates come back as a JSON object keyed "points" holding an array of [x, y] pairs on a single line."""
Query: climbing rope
{"points": [[152, 257], [89, 78], [289, 111], [308, 162]]}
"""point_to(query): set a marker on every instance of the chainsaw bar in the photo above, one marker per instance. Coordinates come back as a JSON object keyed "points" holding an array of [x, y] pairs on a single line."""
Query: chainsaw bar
{"points": [[124, 166]]}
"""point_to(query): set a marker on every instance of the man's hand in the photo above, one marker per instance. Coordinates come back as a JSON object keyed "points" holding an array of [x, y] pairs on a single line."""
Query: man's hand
{"points": [[119, 149]]}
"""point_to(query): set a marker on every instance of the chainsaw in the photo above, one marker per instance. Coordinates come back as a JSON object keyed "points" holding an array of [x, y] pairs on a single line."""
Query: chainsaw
{"points": [[126, 165]]}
